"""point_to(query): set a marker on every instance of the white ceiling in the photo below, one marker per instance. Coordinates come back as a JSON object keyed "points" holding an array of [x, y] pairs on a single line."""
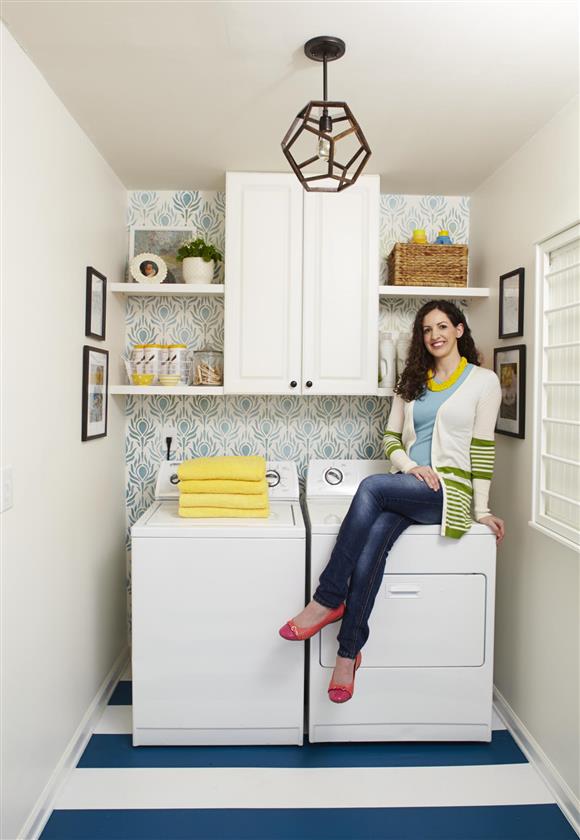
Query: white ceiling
{"points": [[173, 94]]}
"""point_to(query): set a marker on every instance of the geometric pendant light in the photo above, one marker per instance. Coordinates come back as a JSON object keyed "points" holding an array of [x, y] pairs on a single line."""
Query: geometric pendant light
{"points": [[325, 145]]}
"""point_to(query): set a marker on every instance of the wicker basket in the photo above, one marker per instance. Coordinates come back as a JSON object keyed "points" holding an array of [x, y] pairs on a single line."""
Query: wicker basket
{"points": [[427, 265]]}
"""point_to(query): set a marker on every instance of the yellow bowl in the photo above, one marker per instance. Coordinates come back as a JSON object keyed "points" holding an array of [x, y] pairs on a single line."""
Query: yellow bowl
{"points": [[169, 379], [142, 378]]}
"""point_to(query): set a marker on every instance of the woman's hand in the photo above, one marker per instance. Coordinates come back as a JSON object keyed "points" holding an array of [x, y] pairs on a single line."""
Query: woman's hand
{"points": [[496, 525], [428, 475]]}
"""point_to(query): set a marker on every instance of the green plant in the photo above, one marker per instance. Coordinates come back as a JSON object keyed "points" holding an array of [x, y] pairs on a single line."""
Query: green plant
{"points": [[199, 248]]}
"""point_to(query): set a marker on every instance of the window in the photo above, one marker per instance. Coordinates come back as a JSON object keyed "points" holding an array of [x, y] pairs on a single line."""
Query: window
{"points": [[556, 503]]}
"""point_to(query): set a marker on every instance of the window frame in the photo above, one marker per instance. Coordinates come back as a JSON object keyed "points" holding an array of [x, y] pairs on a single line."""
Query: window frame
{"points": [[557, 530]]}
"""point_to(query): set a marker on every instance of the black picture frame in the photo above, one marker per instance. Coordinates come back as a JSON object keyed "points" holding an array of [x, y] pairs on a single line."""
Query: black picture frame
{"points": [[511, 419], [96, 304], [95, 393], [505, 282]]}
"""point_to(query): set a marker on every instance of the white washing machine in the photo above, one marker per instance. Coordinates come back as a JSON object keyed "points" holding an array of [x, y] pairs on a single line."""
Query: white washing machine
{"points": [[207, 594], [427, 668]]}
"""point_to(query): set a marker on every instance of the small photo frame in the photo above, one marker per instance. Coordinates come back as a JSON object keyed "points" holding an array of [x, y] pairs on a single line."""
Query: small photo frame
{"points": [[509, 364], [96, 304], [148, 268], [95, 392], [162, 241], [511, 304]]}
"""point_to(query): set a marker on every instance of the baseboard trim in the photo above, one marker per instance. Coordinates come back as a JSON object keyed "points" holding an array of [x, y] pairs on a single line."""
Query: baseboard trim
{"points": [[39, 815], [563, 794]]}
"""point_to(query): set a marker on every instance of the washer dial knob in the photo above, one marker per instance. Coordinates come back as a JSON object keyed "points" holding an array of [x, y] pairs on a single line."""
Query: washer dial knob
{"points": [[333, 476]]}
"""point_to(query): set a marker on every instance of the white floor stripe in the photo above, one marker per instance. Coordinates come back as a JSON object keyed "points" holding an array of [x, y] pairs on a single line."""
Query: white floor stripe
{"points": [[335, 787], [117, 720]]}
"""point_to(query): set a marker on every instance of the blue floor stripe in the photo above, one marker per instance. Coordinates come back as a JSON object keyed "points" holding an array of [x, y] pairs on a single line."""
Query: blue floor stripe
{"points": [[118, 751], [123, 694], [499, 822]]}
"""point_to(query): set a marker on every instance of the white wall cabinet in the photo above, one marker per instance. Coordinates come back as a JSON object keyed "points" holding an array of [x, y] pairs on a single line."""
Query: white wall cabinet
{"points": [[301, 291]]}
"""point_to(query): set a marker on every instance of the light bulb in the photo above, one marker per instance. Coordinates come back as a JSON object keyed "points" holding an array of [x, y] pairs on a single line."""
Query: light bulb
{"points": [[323, 148]]}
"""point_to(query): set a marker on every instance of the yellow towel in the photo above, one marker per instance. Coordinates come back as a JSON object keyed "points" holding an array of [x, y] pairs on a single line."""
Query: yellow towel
{"points": [[224, 485], [242, 467], [203, 513], [223, 500]]}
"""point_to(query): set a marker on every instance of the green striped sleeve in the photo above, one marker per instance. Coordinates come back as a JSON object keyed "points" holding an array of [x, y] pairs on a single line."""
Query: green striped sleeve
{"points": [[392, 441], [482, 453]]}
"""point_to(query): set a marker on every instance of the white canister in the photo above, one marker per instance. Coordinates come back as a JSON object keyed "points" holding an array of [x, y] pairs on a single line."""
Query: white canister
{"points": [[403, 347], [387, 360], [177, 361], [155, 356]]}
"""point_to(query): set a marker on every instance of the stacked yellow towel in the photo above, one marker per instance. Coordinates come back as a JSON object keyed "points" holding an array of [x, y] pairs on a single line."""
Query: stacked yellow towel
{"points": [[224, 486]]}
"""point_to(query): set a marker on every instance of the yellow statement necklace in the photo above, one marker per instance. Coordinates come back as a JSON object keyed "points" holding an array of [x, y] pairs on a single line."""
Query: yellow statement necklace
{"points": [[441, 386]]}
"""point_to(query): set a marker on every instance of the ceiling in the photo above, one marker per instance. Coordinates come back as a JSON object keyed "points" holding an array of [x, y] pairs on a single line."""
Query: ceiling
{"points": [[173, 94]]}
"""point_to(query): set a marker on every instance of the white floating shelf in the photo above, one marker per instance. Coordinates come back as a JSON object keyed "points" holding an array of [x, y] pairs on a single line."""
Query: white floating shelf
{"points": [[385, 392], [434, 291], [161, 390], [168, 289]]}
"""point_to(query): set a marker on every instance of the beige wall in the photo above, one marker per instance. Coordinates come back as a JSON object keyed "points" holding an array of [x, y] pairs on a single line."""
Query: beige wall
{"points": [[533, 195], [63, 560]]}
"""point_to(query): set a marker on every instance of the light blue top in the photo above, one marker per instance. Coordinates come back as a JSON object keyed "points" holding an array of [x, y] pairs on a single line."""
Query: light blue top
{"points": [[425, 410]]}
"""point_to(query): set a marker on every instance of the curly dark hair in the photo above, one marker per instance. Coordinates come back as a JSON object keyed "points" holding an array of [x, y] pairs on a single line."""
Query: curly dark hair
{"points": [[411, 383]]}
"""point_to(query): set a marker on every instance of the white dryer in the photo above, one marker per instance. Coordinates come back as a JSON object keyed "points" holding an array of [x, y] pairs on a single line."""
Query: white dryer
{"points": [[427, 668], [207, 594]]}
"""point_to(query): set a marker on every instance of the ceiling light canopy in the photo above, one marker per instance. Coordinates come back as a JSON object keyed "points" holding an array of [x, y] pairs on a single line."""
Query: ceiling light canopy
{"points": [[325, 145]]}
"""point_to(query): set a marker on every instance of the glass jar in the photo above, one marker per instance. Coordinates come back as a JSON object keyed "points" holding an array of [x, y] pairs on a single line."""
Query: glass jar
{"points": [[208, 367]]}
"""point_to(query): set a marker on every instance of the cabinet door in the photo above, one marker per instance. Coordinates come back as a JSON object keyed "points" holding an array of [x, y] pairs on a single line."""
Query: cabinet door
{"points": [[340, 290], [263, 284]]}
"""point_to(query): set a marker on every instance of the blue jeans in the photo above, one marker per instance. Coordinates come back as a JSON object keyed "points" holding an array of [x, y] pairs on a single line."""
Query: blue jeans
{"points": [[383, 507]]}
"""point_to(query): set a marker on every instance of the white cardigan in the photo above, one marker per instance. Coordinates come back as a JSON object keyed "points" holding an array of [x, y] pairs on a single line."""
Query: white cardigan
{"points": [[462, 447]]}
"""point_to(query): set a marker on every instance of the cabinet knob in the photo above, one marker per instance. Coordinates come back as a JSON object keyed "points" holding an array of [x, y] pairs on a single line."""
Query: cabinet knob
{"points": [[293, 384], [309, 384]]}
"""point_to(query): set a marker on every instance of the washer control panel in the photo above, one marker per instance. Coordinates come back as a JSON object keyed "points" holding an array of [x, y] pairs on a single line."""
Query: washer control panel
{"points": [[327, 479], [281, 476]]}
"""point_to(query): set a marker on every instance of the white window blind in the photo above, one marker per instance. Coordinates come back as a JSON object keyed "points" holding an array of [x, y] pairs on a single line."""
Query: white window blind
{"points": [[556, 504]]}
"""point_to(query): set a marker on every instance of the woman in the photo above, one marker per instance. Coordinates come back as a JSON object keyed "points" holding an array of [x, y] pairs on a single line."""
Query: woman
{"points": [[439, 440]]}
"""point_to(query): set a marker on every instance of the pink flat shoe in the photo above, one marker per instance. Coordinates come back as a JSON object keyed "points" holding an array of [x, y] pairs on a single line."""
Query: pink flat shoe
{"points": [[292, 633], [340, 693]]}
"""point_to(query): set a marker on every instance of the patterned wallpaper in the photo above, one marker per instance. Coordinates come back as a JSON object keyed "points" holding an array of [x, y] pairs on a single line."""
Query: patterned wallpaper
{"points": [[278, 427]]}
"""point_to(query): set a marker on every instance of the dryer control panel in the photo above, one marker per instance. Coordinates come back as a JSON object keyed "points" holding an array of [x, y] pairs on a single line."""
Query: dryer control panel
{"points": [[332, 479]]}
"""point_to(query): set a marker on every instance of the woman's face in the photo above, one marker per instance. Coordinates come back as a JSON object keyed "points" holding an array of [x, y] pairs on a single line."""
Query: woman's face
{"points": [[439, 334]]}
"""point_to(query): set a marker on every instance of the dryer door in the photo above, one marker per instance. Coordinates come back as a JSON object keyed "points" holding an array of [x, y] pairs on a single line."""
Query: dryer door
{"points": [[422, 621]]}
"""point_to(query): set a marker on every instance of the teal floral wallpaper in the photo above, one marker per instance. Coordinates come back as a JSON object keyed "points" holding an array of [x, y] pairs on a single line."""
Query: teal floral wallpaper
{"points": [[278, 427]]}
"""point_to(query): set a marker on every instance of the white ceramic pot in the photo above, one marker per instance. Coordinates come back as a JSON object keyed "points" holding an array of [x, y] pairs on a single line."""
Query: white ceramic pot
{"points": [[196, 270]]}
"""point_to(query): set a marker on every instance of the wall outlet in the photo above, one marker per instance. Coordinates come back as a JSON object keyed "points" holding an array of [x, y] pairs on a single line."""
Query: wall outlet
{"points": [[6, 488], [170, 430]]}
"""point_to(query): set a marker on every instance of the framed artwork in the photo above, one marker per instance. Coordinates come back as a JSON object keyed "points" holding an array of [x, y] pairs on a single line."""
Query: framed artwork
{"points": [[509, 364], [96, 304], [511, 304], [95, 390], [148, 268], [165, 242]]}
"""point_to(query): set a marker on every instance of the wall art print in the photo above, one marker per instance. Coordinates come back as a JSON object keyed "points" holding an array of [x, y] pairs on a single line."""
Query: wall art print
{"points": [[95, 392]]}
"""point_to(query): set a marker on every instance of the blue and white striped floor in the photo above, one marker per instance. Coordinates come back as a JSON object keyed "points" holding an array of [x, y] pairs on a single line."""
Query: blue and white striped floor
{"points": [[387, 791]]}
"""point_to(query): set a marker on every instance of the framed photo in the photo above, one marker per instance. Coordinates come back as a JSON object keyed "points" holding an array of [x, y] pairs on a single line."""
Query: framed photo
{"points": [[509, 364], [511, 304], [96, 304], [95, 390], [162, 241], [148, 268]]}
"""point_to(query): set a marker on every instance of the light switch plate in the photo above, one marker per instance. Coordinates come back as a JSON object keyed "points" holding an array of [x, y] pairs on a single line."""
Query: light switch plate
{"points": [[6, 490]]}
